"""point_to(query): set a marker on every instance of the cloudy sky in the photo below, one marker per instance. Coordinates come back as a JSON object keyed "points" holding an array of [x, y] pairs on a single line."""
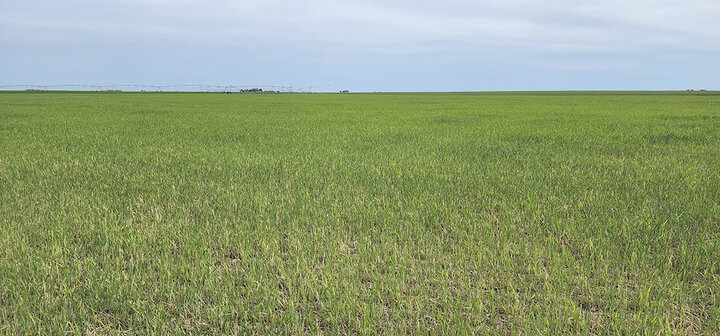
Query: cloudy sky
{"points": [[391, 45]]}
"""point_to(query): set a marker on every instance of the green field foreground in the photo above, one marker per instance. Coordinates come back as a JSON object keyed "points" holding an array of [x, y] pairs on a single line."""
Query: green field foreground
{"points": [[463, 213]]}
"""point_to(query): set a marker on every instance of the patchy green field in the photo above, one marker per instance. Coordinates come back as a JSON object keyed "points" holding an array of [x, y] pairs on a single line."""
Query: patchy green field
{"points": [[517, 213]]}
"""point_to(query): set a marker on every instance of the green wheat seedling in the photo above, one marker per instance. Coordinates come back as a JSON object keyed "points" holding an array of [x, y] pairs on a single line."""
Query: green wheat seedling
{"points": [[518, 213]]}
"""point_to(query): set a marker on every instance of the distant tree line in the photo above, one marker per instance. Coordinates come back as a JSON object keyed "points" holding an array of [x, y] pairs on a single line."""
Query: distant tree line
{"points": [[253, 90]]}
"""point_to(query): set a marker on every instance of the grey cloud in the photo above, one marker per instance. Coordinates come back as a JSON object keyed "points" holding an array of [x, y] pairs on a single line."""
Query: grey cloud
{"points": [[555, 25], [463, 42]]}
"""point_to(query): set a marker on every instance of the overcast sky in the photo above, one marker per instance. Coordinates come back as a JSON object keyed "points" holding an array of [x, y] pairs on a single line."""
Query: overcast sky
{"points": [[391, 45]]}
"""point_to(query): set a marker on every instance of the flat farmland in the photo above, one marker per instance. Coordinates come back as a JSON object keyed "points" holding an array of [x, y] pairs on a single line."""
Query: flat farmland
{"points": [[452, 213]]}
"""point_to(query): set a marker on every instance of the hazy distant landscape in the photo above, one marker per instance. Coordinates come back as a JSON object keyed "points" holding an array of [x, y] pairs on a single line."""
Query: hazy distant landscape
{"points": [[453, 213]]}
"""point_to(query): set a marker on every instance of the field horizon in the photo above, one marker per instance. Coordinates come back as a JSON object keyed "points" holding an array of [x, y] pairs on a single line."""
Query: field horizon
{"points": [[479, 92]]}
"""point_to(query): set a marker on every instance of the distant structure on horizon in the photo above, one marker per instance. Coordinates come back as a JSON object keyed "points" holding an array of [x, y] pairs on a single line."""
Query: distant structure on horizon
{"points": [[152, 88]]}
